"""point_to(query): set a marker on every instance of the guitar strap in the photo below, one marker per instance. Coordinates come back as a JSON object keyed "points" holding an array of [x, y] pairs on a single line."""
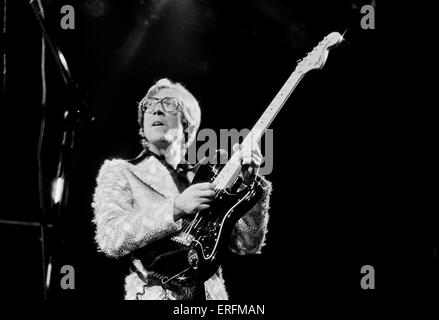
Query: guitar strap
{"points": [[152, 278]]}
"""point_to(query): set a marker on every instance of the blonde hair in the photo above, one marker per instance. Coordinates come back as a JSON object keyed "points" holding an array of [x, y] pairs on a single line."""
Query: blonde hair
{"points": [[191, 109]]}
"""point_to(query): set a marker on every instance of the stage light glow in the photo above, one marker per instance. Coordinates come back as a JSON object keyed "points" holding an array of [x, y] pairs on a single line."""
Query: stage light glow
{"points": [[63, 60], [57, 190], [49, 273], [96, 8]]}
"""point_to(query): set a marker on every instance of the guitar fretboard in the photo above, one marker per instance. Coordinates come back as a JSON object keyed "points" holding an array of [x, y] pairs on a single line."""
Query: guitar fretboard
{"points": [[232, 168]]}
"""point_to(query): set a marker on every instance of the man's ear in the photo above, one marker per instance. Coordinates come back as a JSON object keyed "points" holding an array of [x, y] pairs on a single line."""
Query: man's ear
{"points": [[185, 126]]}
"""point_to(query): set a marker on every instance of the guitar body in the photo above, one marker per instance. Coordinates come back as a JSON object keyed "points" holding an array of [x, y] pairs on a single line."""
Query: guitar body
{"points": [[195, 253]]}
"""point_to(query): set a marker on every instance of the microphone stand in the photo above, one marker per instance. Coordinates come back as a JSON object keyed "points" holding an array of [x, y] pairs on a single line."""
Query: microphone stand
{"points": [[74, 114]]}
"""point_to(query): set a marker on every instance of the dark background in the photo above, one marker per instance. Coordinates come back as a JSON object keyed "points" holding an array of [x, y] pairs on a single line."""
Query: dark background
{"points": [[343, 193]]}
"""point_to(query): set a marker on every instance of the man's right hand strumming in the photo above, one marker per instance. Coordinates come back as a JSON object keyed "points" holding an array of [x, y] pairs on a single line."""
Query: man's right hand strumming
{"points": [[195, 198]]}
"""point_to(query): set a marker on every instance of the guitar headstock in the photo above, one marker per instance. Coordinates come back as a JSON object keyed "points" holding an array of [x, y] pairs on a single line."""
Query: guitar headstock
{"points": [[316, 59]]}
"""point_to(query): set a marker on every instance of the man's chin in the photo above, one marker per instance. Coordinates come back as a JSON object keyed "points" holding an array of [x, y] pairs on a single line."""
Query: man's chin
{"points": [[162, 141]]}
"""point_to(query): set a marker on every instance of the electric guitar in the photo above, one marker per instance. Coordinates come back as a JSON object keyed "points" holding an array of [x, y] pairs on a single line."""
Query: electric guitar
{"points": [[194, 254]]}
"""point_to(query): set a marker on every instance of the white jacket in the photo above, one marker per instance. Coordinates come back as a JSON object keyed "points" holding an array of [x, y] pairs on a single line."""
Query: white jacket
{"points": [[134, 206]]}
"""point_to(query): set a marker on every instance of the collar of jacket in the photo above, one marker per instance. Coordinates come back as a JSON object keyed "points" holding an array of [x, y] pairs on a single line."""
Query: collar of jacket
{"points": [[183, 166], [154, 171]]}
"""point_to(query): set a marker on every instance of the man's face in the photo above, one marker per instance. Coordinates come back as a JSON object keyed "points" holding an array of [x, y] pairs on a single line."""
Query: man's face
{"points": [[161, 127]]}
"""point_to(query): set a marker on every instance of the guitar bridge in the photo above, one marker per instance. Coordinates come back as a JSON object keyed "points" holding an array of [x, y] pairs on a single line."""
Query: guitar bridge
{"points": [[183, 238]]}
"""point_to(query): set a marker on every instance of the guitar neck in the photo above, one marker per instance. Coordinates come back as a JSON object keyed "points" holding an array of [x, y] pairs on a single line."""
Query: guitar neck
{"points": [[273, 109], [232, 168]]}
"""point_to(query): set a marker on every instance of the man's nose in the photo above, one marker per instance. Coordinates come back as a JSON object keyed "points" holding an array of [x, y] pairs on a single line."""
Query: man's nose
{"points": [[158, 110]]}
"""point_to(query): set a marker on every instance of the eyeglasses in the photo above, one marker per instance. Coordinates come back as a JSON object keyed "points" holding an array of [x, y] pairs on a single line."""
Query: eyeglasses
{"points": [[169, 104]]}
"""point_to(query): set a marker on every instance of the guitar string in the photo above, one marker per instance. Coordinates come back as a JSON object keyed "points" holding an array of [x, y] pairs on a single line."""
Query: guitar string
{"points": [[188, 226]]}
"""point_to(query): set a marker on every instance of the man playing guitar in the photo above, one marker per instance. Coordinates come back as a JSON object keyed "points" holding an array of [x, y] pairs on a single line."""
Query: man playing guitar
{"points": [[141, 202]]}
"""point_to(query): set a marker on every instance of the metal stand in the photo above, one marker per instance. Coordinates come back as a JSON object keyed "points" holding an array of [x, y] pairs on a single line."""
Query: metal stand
{"points": [[73, 117]]}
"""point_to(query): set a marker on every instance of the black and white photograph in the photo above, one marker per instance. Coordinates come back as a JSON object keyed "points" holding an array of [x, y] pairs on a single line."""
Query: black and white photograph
{"points": [[228, 154]]}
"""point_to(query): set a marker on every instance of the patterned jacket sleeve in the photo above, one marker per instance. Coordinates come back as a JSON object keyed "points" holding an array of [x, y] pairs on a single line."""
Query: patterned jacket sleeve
{"points": [[249, 234], [119, 228]]}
